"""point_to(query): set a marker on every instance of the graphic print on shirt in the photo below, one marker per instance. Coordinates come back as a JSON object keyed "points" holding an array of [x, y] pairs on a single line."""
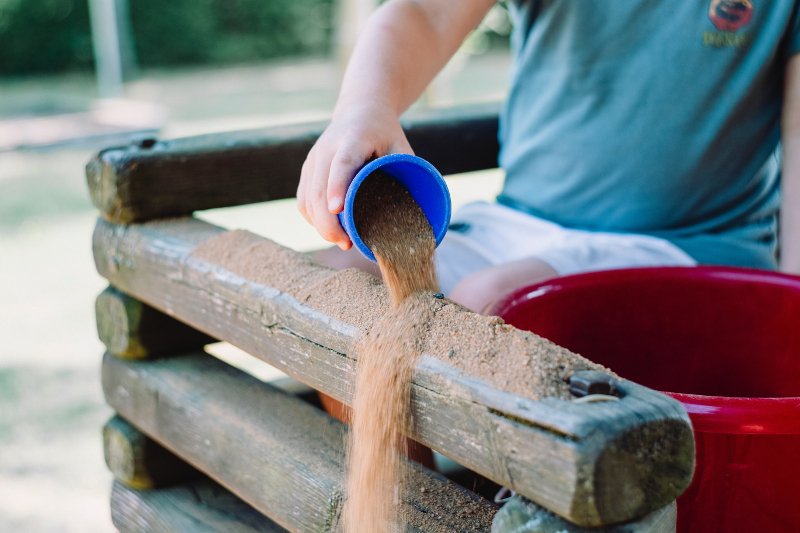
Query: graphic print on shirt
{"points": [[728, 17]]}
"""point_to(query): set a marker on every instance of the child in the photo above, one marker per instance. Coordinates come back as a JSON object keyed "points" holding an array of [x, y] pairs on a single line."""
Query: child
{"points": [[635, 134]]}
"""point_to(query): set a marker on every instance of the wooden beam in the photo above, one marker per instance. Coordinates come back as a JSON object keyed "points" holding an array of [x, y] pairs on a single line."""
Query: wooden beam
{"points": [[138, 461], [279, 454], [133, 330], [148, 180], [199, 507], [518, 516], [592, 463]]}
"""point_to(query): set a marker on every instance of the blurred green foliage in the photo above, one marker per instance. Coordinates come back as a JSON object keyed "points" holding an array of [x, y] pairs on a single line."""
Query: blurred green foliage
{"points": [[216, 31], [45, 36]]}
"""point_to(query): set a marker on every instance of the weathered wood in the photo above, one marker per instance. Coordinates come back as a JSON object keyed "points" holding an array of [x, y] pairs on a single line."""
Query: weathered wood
{"points": [[593, 464], [138, 461], [518, 516], [133, 330], [170, 178], [279, 454], [199, 507]]}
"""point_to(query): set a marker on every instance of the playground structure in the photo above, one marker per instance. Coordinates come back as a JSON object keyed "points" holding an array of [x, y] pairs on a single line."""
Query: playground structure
{"points": [[178, 283]]}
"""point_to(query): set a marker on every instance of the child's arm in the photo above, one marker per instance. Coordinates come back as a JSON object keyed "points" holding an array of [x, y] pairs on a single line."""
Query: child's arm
{"points": [[790, 179], [404, 45]]}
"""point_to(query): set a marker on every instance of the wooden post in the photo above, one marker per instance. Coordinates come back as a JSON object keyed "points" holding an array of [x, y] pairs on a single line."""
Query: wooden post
{"points": [[133, 330], [138, 461], [198, 507], [594, 464], [108, 46], [170, 178]]}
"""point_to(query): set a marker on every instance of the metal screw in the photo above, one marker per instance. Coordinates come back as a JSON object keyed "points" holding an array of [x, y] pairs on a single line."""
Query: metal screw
{"points": [[586, 382], [147, 142]]}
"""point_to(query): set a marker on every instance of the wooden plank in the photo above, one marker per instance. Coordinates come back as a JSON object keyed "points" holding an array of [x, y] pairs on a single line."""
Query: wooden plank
{"points": [[176, 177], [132, 329], [593, 464], [199, 507], [138, 461], [276, 452], [519, 516]]}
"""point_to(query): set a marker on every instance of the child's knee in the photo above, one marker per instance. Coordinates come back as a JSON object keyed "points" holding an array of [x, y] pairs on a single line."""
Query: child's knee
{"points": [[479, 290]]}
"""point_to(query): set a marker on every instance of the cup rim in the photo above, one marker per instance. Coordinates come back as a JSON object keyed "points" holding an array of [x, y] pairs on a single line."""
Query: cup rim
{"points": [[349, 223]]}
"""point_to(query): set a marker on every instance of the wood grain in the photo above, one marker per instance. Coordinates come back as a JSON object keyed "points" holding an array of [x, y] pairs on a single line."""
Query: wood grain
{"points": [[276, 452], [593, 464], [176, 177], [133, 330], [200, 507]]}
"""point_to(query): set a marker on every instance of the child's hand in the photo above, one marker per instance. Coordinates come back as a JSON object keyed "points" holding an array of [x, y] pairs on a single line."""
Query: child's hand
{"points": [[403, 46], [354, 136]]}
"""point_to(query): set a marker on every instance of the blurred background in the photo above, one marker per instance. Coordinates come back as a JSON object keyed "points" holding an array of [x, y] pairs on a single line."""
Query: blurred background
{"points": [[79, 75]]}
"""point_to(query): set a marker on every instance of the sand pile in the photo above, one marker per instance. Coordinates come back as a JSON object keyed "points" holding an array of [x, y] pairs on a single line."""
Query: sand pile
{"points": [[484, 347]]}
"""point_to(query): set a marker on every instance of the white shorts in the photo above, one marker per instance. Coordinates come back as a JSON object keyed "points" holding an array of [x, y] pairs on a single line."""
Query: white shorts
{"points": [[485, 234]]}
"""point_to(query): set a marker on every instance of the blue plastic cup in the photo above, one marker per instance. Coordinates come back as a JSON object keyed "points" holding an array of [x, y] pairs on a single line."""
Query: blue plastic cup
{"points": [[425, 184]]}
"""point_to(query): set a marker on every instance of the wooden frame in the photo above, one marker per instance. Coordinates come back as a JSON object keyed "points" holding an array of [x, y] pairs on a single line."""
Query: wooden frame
{"points": [[594, 464], [282, 455]]}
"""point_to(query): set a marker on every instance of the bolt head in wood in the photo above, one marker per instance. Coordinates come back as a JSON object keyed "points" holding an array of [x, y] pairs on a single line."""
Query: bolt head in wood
{"points": [[147, 142], [586, 382]]}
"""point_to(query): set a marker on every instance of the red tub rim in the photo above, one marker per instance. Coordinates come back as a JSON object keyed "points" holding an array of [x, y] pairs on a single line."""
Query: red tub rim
{"points": [[713, 414]]}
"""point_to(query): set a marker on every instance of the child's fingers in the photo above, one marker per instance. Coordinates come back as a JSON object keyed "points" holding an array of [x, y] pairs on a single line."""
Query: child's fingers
{"points": [[326, 174], [329, 227], [302, 186], [346, 162], [327, 224]]}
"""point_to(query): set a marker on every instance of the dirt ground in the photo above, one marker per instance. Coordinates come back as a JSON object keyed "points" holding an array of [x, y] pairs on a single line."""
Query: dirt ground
{"points": [[52, 476]]}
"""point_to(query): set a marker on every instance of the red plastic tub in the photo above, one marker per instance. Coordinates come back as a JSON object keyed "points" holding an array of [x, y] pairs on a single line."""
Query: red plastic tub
{"points": [[724, 342]]}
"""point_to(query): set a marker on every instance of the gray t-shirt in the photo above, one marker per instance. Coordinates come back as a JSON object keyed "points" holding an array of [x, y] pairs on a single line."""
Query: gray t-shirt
{"points": [[659, 117]]}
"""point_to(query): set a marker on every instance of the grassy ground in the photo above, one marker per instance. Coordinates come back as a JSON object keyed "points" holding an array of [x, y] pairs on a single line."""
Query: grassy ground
{"points": [[52, 476]]}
